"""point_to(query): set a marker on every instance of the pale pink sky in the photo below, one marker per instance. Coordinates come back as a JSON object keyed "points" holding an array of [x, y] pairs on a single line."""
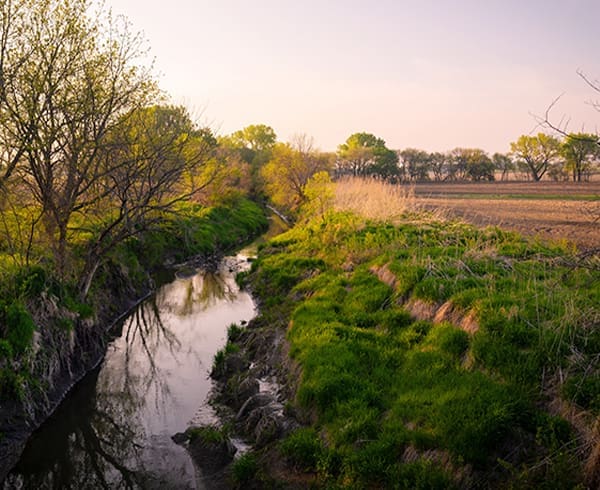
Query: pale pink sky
{"points": [[427, 74]]}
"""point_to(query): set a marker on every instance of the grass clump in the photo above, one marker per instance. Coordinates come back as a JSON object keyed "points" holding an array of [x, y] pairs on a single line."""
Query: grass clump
{"points": [[303, 449], [244, 470]]}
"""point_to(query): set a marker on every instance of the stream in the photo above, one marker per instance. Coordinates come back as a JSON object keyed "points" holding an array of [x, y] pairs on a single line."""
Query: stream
{"points": [[114, 429]]}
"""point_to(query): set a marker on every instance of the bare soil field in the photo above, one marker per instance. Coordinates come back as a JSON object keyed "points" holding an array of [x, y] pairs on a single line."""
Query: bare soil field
{"points": [[553, 210]]}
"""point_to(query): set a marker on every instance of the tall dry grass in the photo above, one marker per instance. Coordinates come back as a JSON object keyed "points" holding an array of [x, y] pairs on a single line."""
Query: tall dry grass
{"points": [[373, 198]]}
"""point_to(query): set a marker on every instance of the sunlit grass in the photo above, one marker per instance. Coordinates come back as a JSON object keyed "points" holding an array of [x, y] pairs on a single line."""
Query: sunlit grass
{"points": [[394, 397]]}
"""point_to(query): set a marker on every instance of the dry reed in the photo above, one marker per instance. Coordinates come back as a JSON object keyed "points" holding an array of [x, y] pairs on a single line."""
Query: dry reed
{"points": [[374, 199]]}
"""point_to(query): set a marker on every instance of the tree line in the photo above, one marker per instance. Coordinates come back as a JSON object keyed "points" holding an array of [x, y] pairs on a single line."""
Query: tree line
{"points": [[574, 157], [284, 172]]}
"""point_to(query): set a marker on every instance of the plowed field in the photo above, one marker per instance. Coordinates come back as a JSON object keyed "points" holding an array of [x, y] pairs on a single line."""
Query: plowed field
{"points": [[554, 210]]}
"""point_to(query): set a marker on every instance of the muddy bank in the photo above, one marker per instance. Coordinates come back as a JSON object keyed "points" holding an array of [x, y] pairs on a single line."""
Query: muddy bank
{"points": [[64, 359]]}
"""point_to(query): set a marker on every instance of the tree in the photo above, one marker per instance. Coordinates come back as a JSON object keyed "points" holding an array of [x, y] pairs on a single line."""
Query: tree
{"points": [[82, 132], [479, 165], [289, 170], [258, 138], [437, 165], [144, 165], [320, 195], [254, 145], [415, 163], [363, 154], [503, 163], [580, 151], [60, 101], [536, 153]]}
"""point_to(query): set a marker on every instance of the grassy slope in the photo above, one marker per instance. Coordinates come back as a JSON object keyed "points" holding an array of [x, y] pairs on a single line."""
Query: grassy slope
{"points": [[396, 402]]}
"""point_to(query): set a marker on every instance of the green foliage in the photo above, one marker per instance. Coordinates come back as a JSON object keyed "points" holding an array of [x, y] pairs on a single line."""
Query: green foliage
{"points": [[536, 154], [6, 350], [364, 154], [211, 435], [12, 385], [19, 326], [31, 281], [584, 389], [580, 151]]}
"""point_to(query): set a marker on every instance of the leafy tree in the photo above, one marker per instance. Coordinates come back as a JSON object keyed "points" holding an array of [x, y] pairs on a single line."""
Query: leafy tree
{"points": [[437, 165], [580, 151], [536, 153], [83, 134], [69, 81], [415, 163], [469, 163], [254, 145], [145, 162], [503, 163], [289, 170], [479, 165], [363, 154], [256, 137], [320, 194]]}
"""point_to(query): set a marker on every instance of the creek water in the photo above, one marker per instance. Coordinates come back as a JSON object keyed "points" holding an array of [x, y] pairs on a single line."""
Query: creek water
{"points": [[114, 429]]}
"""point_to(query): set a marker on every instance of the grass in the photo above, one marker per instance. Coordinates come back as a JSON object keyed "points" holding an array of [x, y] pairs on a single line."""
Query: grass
{"points": [[381, 385], [244, 470]]}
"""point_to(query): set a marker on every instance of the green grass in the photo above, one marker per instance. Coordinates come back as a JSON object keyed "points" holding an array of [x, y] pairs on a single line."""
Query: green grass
{"points": [[380, 383], [244, 470]]}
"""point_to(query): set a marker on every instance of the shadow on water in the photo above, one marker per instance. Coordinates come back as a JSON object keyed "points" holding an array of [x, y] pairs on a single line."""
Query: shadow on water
{"points": [[114, 429]]}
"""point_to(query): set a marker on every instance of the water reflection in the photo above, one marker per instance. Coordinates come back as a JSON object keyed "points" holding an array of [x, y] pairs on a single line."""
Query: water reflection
{"points": [[114, 430]]}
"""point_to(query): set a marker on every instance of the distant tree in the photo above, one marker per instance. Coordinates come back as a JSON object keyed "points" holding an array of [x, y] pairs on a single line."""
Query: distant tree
{"points": [[503, 163], [290, 168], [580, 151], [415, 164], [363, 154], [437, 164], [469, 164], [536, 153], [256, 137], [254, 145], [479, 165], [456, 168]]}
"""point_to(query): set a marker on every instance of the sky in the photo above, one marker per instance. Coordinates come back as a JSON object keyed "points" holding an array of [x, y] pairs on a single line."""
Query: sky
{"points": [[428, 74]]}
